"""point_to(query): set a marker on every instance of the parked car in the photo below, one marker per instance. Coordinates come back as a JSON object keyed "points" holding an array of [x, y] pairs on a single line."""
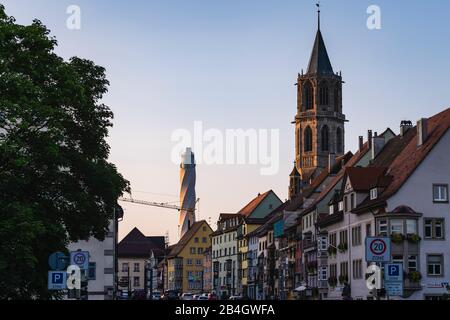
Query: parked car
{"points": [[156, 296], [139, 295], [203, 297], [187, 296], [170, 295], [195, 297], [236, 298]]}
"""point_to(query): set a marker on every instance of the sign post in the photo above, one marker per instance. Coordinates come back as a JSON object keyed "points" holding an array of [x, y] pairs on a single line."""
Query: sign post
{"points": [[393, 279]]}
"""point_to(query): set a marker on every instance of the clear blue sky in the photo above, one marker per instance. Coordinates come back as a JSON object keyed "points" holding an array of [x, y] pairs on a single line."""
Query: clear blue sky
{"points": [[233, 64]]}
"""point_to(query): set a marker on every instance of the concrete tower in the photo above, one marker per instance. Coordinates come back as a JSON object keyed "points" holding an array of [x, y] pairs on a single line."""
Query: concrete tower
{"points": [[187, 194]]}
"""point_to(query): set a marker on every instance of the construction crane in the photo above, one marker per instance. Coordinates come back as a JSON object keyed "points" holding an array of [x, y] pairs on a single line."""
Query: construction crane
{"points": [[155, 204]]}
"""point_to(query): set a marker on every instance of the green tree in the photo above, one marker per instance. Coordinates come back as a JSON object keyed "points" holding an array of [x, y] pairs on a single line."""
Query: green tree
{"points": [[56, 184]]}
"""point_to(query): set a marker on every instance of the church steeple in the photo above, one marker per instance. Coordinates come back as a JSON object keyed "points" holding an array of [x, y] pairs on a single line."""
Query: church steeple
{"points": [[319, 123], [319, 63]]}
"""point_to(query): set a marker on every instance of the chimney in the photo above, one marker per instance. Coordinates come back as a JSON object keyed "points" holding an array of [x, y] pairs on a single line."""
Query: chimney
{"points": [[361, 142], [377, 145], [422, 131], [331, 161], [405, 125], [369, 138]]}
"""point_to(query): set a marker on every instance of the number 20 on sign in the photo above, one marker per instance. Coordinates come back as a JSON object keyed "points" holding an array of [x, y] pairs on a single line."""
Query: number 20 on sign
{"points": [[378, 249]]}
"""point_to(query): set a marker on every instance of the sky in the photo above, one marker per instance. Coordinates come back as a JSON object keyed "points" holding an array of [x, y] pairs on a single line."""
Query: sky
{"points": [[233, 65]]}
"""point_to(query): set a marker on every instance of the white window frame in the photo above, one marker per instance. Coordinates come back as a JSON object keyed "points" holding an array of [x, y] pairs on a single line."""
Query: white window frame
{"points": [[396, 223], [441, 265], [415, 226], [373, 194], [383, 224], [442, 193]]}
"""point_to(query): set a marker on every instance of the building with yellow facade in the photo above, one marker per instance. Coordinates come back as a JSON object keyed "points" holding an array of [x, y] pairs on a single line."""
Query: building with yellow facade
{"points": [[185, 259]]}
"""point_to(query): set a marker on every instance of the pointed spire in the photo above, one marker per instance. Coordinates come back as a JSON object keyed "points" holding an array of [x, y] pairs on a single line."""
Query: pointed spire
{"points": [[319, 63]]}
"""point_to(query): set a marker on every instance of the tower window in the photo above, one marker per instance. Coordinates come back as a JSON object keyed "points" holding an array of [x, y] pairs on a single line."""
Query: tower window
{"points": [[308, 139], [308, 99], [339, 141], [336, 97], [325, 138], [323, 94]]}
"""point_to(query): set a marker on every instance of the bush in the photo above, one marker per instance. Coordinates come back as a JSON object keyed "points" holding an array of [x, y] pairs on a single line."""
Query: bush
{"points": [[397, 238], [414, 276], [413, 238]]}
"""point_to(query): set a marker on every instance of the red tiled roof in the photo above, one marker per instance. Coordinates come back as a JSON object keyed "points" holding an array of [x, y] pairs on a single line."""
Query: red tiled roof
{"points": [[364, 179], [252, 205], [412, 156]]}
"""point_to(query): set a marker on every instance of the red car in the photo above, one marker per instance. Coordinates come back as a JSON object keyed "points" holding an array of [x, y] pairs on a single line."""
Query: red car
{"points": [[212, 296]]}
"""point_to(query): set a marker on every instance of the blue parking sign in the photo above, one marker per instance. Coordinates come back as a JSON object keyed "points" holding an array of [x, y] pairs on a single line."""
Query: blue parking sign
{"points": [[57, 280], [393, 272]]}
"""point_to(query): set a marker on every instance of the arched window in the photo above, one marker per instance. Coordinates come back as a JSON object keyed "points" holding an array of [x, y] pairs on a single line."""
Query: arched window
{"points": [[325, 138], [323, 94], [308, 96], [339, 141], [337, 91], [308, 139]]}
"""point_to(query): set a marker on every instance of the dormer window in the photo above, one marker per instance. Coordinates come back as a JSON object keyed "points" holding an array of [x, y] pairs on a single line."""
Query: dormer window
{"points": [[341, 206], [373, 194], [331, 209]]}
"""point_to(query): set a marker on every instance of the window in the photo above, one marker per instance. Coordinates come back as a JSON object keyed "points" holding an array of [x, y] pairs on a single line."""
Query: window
{"points": [[136, 282], [411, 226], [344, 268], [323, 273], [204, 240], [225, 251], [440, 192], [308, 96], [323, 245], [92, 270], [137, 267], [192, 250], [396, 226], [189, 262], [341, 205], [352, 201], [332, 239], [332, 209], [204, 229], [356, 236], [434, 229], [333, 270], [199, 262], [196, 240], [382, 228], [343, 236], [200, 250], [368, 230], [397, 259], [325, 138], [125, 267], [373, 194], [345, 204], [308, 139], [435, 265], [412, 263], [357, 269], [339, 142], [323, 94], [336, 97]]}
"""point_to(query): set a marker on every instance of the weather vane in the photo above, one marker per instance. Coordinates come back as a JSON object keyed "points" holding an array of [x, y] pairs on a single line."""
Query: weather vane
{"points": [[318, 13]]}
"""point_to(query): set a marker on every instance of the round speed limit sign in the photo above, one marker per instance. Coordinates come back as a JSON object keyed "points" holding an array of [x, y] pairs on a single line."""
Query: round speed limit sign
{"points": [[378, 247]]}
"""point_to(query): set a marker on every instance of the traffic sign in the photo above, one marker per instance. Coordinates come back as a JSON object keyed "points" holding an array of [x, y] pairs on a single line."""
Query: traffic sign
{"points": [[57, 280], [378, 249], [58, 261], [394, 289], [393, 272], [80, 259]]}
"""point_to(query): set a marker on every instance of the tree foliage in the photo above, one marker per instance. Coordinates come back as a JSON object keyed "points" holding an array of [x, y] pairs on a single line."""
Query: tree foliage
{"points": [[56, 184]]}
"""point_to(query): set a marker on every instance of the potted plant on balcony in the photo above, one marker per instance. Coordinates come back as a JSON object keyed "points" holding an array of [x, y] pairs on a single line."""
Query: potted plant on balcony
{"points": [[413, 238], [332, 251], [414, 276], [397, 238], [332, 282], [343, 279], [342, 247]]}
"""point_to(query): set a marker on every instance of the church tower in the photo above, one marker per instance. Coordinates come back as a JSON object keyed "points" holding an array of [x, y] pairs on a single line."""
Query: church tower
{"points": [[319, 123]]}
